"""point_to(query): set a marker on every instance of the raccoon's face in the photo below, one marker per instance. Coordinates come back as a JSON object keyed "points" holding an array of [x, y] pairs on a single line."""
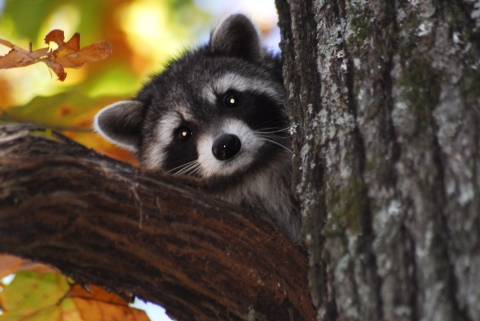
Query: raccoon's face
{"points": [[216, 128], [215, 112]]}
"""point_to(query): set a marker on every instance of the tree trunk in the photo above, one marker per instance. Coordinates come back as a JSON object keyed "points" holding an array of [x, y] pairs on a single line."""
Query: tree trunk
{"points": [[385, 101]]}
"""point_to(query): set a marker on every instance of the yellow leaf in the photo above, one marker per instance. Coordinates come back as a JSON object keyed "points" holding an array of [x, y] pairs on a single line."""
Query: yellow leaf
{"points": [[30, 291], [48, 297], [65, 311]]}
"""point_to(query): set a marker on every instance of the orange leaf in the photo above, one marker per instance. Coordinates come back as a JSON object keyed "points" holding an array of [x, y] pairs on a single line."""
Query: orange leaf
{"points": [[6, 43], [15, 58], [95, 310], [38, 53], [56, 36], [65, 48], [100, 304], [97, 294], [94, 52], [19, 57], [57, 69], [67, 55], [73, 44]]}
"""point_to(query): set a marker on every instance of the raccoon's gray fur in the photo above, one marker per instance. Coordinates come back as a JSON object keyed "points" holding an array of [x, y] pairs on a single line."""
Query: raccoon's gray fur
{"points": [[216, 113]]}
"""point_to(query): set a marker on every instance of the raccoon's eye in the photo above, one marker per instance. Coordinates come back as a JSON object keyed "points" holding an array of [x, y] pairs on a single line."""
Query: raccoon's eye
{"points": [[184, 133], [231, 100]]}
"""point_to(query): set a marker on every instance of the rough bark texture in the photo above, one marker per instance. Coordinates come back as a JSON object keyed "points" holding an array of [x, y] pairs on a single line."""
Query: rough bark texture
{"points": [[385, 99], [105, 222]]}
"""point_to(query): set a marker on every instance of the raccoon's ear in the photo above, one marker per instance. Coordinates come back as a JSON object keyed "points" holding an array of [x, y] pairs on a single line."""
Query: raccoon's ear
{"points": [[237, 36], [121, 123]]}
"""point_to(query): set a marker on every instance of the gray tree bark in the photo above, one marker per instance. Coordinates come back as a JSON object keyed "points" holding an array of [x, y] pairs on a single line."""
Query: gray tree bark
{"points": [[385, 101]]}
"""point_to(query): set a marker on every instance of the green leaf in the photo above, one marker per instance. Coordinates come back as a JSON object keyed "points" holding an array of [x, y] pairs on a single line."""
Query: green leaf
{"points": [[29, 292]]}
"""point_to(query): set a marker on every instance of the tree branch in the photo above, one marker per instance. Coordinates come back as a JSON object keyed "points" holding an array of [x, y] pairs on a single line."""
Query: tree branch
{"points": [[105, 222]]}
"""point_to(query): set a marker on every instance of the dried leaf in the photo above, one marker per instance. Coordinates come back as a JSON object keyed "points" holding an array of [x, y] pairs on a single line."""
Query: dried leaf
{"points": [[56, 36], [67, 55], [56, 68], [19, 57], [6, 43], [94, 52], [38, 53], [64, 48]]}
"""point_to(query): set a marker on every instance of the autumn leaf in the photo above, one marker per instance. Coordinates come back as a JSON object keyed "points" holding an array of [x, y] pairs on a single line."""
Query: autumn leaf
{"points": [[67, 55], [18, 57], [100, 303], [71, 113], [10, 264], [35, 297]]}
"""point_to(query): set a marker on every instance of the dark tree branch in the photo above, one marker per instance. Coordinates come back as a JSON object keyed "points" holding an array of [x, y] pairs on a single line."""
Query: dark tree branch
{"points": [[105, 222]]}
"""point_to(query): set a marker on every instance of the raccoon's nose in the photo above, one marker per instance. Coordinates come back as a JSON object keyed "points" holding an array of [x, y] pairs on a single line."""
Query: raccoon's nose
{"points": [[226, 146]]}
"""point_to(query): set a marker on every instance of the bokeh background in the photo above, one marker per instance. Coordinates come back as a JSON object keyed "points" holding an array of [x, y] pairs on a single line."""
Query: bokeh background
{"points": [[144, 34]]}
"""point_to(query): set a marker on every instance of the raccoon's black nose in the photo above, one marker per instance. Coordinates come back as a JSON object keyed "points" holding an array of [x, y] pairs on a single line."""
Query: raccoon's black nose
{"points": [[226, 146]]}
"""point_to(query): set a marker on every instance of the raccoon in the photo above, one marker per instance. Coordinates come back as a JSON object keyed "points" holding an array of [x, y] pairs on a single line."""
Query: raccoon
{"points": [[216, 113]]}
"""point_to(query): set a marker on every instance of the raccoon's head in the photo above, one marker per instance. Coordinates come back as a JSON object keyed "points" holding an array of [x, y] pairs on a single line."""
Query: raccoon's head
{"points": [[215, 112]]}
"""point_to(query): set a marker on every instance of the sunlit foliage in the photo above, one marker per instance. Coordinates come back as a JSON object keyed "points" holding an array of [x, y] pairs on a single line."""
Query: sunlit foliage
{"points": [[144, 35]]}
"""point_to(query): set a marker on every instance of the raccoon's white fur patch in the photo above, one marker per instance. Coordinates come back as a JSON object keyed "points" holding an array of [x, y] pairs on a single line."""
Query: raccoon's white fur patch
{"points": [[239, 83], [250, 142], [164, 132]]}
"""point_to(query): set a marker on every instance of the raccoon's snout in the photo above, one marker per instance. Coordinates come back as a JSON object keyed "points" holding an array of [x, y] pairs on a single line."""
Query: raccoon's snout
{"points": [[226, 146]]}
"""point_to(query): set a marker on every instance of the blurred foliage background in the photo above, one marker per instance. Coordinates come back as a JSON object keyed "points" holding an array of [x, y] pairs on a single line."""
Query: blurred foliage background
{"points": [[144, 34]]}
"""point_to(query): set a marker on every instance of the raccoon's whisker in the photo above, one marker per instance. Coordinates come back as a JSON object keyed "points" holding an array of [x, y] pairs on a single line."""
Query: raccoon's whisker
{"points": [[195, 171], [187, 169], [178, 168], [278, 144], [269, 135], [184, 170], [276, 131], [192, 170]]}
